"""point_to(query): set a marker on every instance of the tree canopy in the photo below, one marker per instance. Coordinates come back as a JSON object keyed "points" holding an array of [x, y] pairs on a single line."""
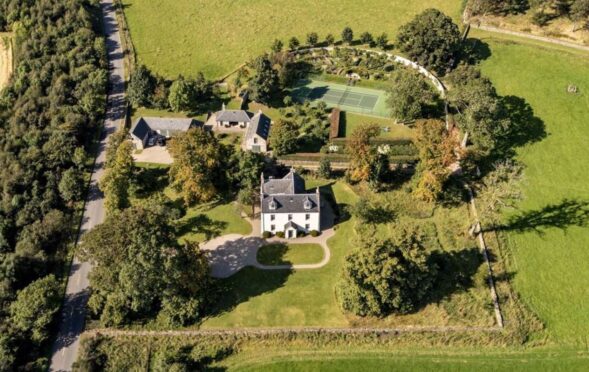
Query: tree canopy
{"points": [[362, 153], [432, 40], [197, 169], [264, 85], [384, 277], [139, 269], [409, 96]]}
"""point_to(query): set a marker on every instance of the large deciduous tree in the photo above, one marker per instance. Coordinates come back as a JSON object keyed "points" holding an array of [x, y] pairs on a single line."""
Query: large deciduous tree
{"points": [[384, 277], [480, 112], [432, 40], [117, 179], [141, 87], [437, 152], [264, 85], [362, 153], [139, 270], [283, 137], [409, 96], [197, 167]]}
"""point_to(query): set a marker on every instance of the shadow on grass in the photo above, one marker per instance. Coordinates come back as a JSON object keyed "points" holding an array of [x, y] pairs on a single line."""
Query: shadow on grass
{"points": [[273, 254], [201, 224], [562, 215], [148, 181], [248, 283], [456, 271], [476, 51]]}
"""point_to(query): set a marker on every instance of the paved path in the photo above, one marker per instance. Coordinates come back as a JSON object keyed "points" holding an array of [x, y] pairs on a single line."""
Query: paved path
{"points": [[73, 312], [230, 253], [530, 36]]}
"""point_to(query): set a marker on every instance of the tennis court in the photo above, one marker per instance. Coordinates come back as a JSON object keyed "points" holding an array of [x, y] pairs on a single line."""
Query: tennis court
{"points": [[345, 97]]}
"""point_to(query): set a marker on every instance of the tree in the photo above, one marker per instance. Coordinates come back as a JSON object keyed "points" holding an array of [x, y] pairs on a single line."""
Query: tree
{"points": [[117, 179], [277, 46], [293, 43], [141, 87], [480, 112], [436, 154], [283, 137], [409, 96], [249, 167], [312, 38], [197, 166], [498, 190], [35, 306], [432, 40], [382, 41], [384, 277], [362, 153], [580, 13], [265, 83], [366, 38], [71, 185], [182, 95], [505, 7], [325, 170], [348, 35], [330, 39], [140, 242]]}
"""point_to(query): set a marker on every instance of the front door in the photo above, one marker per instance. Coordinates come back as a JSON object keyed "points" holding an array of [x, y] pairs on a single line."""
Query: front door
{"points": [[290, 234]]}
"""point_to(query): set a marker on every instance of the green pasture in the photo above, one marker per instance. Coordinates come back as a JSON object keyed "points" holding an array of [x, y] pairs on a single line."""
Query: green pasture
{"points": [[214, 37], [548, 236], [345, 97]]}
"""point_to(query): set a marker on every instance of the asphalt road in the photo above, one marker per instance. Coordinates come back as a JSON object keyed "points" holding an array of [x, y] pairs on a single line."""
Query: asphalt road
{"points": [[73, 313]]}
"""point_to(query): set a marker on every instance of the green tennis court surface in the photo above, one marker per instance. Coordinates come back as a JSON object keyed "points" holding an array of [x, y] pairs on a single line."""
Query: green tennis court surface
{"points": [[345, 97]]}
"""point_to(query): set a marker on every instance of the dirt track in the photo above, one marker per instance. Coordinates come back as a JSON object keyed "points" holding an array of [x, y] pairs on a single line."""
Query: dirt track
{"points": [[5, 61]]}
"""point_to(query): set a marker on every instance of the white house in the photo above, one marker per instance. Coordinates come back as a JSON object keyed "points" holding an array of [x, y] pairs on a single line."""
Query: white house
{"points": [[287, 208], [232, 118]]}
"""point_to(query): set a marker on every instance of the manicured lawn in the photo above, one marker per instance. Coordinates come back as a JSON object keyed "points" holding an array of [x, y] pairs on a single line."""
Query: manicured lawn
{"points": [[208, 221], [307, 297], [281, 254], [188, 36], [351, 121], [550, 263]]}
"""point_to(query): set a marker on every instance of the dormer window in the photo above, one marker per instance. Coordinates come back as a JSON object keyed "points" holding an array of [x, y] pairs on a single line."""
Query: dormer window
{"points": [[272, 204], [307, 204]]}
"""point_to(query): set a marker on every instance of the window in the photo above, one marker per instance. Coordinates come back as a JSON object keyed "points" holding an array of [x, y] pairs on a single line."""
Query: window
{"points": [[272, 217], [290, 217], [307, 217], [272, 227], [307, 227], [255, 140], [307, 204], [272, 204]]}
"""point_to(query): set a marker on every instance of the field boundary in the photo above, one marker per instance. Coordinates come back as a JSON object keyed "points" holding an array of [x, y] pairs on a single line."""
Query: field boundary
{"points": [[466, 19]]}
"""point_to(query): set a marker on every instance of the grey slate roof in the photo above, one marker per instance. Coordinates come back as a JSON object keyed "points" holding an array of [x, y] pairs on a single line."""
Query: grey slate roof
{"points": [[291, 203], [291, 225], [260, 125], [289, 195], [234, 116], [165, 126], [292, 183]]}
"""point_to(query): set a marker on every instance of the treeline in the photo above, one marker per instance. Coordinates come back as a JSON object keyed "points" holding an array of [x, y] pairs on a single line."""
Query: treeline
{"points": [[543, 11], [48, 116]]}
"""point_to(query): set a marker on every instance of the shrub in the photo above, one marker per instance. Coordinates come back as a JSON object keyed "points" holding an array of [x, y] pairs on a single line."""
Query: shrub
{"points": [[330, 39], [314, 233], [348, 35], [366, 38], [266, 235], [540, 19], [280, 234], [312, 38]]}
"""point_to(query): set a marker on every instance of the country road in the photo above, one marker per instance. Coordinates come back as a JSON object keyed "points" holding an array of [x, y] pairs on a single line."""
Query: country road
{"points": [[73, 312]]}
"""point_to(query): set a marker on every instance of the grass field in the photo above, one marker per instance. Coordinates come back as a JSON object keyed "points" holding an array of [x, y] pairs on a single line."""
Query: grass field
{"points": [[5, 58], [295, 254], [550, 249], [214, 37], [413, 361]]}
